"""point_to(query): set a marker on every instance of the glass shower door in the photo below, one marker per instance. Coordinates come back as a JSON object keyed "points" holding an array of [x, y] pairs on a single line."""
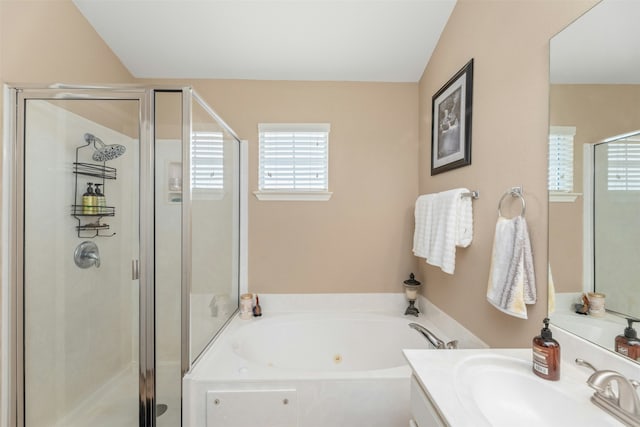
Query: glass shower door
{"points": [[616, 209], [214, 206], [81, 238]]}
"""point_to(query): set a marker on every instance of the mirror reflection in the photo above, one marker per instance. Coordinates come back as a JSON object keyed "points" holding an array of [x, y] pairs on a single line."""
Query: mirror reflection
{"points": [[616, 209], [594, 179]]}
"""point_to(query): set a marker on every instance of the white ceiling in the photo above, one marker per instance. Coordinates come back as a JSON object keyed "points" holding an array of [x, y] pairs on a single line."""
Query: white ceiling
{"points": [[602, 46], [342, 40]]}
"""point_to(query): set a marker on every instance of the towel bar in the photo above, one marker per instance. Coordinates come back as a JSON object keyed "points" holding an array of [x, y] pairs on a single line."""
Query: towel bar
{"points": [[473, 194]]}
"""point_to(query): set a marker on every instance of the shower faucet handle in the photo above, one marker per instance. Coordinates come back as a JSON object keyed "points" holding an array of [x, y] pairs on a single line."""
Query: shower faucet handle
{"points": [[87, 255]]}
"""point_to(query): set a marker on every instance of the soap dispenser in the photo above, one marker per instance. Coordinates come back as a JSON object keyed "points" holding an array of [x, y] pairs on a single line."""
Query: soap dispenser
{"points": [[546, 354], [101, 202], [89, 201], [629, 344]]}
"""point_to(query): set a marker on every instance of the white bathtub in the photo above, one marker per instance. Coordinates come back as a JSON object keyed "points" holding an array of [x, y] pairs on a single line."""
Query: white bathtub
{"points": [[307, 370]]}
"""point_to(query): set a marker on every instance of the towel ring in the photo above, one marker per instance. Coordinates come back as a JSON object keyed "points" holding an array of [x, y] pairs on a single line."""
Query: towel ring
{"points": [[514, 192]]}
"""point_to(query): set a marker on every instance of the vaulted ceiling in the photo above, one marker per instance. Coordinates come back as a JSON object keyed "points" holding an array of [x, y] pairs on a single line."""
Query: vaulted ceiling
{"points": [[340, 40]]}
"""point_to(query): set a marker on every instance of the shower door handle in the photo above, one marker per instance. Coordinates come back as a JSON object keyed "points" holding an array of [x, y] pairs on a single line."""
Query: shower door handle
{"points": [[135, 270]]}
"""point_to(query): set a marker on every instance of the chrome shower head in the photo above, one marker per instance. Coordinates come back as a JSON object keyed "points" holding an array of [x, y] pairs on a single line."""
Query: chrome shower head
{"points": [[104, 152]]}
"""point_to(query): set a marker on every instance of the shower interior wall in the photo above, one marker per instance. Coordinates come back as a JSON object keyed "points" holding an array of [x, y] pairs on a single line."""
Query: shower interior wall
{"points": [[212, 262], [75, 317], [168, 254]]}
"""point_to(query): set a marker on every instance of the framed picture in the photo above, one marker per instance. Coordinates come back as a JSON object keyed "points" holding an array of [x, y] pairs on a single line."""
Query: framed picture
{"points": [[451, 122]]}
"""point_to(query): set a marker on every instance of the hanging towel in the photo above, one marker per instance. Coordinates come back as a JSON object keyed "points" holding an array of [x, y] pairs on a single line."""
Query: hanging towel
{"points": [[443, 221], [423, 225], [511, 277]]}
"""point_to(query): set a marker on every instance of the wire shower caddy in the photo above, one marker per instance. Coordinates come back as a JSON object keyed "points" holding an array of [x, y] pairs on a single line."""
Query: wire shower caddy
{"points": [[90, 217]]}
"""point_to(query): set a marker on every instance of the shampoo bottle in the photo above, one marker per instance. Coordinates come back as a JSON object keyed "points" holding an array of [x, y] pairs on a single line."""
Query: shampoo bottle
{"points": [[629, 344], [101, 202], [89, 201], [546, 354]]}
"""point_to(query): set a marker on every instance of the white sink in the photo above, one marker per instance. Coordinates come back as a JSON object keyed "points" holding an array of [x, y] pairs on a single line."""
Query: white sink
{"points": [[497, 388], [505, 392]]}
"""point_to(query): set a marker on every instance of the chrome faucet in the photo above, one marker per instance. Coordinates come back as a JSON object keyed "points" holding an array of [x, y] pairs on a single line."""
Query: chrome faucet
{"points": [[434, 340], [87, 255], [623, 404]]}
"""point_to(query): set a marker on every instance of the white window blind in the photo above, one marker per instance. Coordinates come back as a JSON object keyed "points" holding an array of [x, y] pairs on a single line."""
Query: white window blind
{"points": [[294, 157], [207, 161], [623, 171], [561, 158]]}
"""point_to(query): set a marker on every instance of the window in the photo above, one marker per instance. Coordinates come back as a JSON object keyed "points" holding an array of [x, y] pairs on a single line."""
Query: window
{"points": [[560, 182], [561, 158], [623, 171], [207, 163], [294, 162]]}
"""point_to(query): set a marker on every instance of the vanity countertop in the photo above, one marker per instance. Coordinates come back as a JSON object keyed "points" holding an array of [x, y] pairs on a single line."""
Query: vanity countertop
{"points": [[496, 387]]}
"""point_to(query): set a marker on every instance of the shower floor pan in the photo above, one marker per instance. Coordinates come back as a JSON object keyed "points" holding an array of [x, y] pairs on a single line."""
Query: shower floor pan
{"points": [[116, 403]]}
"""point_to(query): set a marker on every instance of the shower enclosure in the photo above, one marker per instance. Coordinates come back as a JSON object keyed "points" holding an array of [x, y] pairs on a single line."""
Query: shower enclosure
{"points": [[612, 225], [121, 251]]}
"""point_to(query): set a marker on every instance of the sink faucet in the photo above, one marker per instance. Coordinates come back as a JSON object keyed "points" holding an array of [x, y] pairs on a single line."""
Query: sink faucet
{"points": [[625, 404], [434, 340]]}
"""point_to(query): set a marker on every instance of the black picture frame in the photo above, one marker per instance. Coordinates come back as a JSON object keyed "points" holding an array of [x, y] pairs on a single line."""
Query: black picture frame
{"points": [[451, 109]]}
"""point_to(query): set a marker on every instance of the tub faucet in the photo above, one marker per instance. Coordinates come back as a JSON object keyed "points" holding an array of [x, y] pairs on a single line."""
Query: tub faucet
{"points": [[434, 340], [623, 404]]}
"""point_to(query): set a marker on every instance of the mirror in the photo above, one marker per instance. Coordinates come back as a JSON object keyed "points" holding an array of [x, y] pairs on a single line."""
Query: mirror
{"points": [[595, 93]]}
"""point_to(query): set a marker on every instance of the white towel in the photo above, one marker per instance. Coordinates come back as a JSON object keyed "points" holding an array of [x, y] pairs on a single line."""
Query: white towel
{"points": [[511, 277], [443, 221], [423, 225]]}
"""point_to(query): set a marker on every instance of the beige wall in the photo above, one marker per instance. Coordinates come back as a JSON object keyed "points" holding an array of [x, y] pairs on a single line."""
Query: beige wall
{"points": [[50, 41], [509, 42], [360, 240], [597, 112]]}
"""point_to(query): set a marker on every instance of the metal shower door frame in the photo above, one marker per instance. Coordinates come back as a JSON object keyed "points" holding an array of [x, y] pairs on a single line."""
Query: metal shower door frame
{"points": [[13, 198]]}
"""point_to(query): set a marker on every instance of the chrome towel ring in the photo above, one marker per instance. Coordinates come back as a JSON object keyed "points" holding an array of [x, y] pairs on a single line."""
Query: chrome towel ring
{"points": [[513, 192]]}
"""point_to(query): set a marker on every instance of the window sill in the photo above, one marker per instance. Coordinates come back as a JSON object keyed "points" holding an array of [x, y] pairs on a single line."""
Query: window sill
{"points": [[560, 197], [305, 196]]}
